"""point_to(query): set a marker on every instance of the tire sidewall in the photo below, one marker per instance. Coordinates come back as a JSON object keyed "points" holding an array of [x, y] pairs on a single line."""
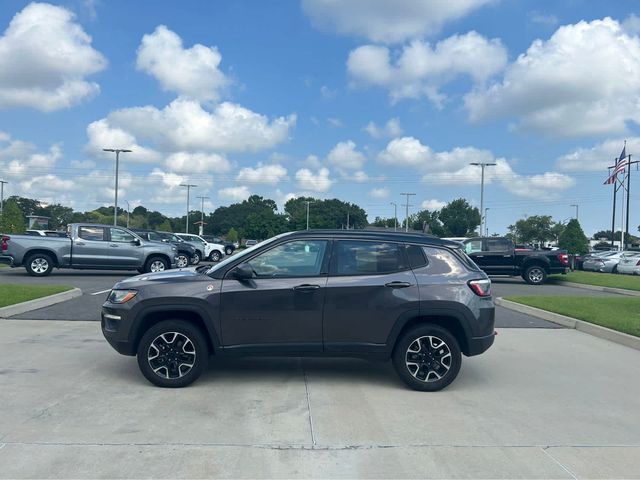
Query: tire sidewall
{"points": [[190, 331], [213, 254], [527, 274], [197, 257], [31, 258], [228, 251], [186, 260], [150, 260], [408, 338]]}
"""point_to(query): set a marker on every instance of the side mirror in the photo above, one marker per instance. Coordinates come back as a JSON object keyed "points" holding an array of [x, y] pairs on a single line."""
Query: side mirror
{"points": [[242, 272], [136, 242]]}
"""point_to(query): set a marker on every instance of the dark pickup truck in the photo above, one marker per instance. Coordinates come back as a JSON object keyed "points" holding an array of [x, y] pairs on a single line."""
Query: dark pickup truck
{"points": [[498, 256]]}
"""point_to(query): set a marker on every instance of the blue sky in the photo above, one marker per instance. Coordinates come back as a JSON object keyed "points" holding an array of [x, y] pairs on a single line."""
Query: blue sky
{"points": [[359, 100]]}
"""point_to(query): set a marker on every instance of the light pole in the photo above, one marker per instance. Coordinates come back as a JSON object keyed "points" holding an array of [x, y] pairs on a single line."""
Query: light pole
{"points": [[189, 186], [308, 202], [486, 228], [577, 207], [2, 182], [395, 216], [201, 214], [118, 152], [482, 165], [128, 208], [406, 225]]}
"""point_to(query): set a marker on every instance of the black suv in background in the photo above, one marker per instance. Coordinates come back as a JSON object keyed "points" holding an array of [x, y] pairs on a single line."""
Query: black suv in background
{"points": [[415, 299], [186, 252]]}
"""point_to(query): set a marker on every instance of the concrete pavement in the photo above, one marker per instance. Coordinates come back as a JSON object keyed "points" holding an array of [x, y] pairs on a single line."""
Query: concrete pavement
{"points": [[541, 403]]}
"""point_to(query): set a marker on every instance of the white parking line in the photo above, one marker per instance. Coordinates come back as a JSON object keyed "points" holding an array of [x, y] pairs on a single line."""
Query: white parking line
{"points": [[101, 291]]}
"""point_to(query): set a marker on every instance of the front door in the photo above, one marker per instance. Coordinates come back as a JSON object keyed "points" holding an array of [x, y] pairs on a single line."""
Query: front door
{"points": [[124, 251], [282, 305]]}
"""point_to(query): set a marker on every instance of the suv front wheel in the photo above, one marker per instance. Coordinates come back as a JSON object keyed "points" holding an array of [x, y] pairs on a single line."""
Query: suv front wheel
{"points": [[172, 353], [427, 358]]}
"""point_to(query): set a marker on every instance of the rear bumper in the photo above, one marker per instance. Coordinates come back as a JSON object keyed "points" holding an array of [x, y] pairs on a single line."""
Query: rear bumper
{"points": [[7, 259], [478, 345]]}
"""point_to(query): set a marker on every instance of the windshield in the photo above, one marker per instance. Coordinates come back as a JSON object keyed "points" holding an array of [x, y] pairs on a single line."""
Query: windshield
{"points": [[242, 254]]}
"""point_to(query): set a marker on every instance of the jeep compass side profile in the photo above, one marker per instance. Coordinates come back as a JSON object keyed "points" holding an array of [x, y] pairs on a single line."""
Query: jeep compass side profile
{"points": [[417, 300]]}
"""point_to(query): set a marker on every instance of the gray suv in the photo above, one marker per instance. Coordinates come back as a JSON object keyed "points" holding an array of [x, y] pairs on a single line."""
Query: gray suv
{"points": [[417, 300]]}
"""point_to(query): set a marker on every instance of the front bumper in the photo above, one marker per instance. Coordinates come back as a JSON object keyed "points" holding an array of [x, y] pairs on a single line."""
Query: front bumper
{"points": [[116, 327]]}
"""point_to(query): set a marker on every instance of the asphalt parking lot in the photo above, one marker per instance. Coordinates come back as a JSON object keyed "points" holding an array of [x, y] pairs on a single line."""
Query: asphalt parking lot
{"points": [[544, 402]]}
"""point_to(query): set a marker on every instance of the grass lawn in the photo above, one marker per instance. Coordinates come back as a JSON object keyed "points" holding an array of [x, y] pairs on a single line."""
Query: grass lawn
{"points": [[618, 313], [630, 282], [11, 294]]}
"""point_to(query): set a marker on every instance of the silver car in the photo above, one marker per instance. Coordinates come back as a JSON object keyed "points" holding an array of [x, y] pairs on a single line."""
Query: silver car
{"points": [[605, 263], [630, 263]]}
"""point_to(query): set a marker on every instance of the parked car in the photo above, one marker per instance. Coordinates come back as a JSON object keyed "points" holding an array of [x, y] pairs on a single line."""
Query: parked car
{"points": [[211, 251], [498, 256], [630, 263], [186, 252], [87, 246], [607, 262], [229, 247], [418, 300], [250, 243]]}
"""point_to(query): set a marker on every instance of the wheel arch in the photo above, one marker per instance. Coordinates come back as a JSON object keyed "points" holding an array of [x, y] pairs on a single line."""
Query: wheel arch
{"points": [[163, 256], [45, 251], [536, 262]]}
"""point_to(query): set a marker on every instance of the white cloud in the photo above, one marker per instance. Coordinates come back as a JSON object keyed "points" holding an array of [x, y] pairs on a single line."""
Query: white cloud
{"points": [[192, 72], [596, 158], [185, 162], [186, 125], [45, 184], [308, 181], [344, 156], [327, 93], [234, 194], [335, 122], [391, 129], [380, 193], [359, 177], [385, 21], [312, 161], [102, 135], [419, 70], [432, 204], [405, 151], [584, 80], [266, 174], [20, 158], [44, 59]]}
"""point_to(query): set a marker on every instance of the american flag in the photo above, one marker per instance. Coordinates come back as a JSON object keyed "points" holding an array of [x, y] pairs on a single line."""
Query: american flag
{"points": [[620, 167]]}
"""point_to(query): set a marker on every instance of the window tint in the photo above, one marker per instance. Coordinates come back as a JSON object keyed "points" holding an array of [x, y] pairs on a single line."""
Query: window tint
{"points": [[497, 245], [443, 262], [416, 256], [473, 246], [91, 233], [368, 258], [121, 236], [301, 258], [155, 237]]}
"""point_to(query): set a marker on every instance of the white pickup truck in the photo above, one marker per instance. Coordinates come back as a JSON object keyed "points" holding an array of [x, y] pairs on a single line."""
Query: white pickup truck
{"points": [[87, 246]]}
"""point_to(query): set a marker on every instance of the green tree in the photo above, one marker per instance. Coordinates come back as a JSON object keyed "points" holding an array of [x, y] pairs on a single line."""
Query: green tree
{"points": [[329, 213], [537, 228], [428, 222], [12, 220], [232, 235], [573, 239], [459, 219], [164, 226]]}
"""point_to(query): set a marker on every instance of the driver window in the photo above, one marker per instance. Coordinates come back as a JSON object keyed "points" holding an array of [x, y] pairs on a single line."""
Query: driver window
{"points": [[121, 236], [301, 258], [473, 246]]}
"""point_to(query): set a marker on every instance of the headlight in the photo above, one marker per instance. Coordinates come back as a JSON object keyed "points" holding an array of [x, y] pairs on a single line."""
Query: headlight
{"points": [[121, 296]]}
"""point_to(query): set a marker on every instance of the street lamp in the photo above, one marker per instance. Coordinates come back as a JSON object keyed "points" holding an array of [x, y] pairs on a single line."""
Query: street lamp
{"points": [[201, 214], [482, 165], [189, 186], [485, 222], [395, 216], [118, 151], [308, 202]]}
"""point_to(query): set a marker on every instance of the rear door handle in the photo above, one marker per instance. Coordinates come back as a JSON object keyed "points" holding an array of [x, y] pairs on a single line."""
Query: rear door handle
{"points": [[79, 243], [397, 284], [114, 245], [479, 256], [306, 288]]}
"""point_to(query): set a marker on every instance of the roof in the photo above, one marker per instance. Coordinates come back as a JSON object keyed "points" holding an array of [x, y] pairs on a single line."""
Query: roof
{"points": [[379, 235]]}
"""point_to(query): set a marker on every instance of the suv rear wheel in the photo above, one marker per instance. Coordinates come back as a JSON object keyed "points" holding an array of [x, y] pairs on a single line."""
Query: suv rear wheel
{"points": [[172, 354], [215, 256], [427, 358], [39, 265]]}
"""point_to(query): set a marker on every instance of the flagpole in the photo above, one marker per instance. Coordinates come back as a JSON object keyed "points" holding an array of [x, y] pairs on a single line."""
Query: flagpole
{"points": [[622, 216], [628, 195], [613, 216]]}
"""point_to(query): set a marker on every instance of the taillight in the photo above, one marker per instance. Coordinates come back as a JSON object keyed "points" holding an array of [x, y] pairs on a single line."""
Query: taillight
{"points": [[482, 288], [564, 258], [5, 243]]}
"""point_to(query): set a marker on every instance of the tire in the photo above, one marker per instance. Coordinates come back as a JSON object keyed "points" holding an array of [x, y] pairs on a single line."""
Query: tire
{"points": [[182, 260], [615, 269], [39, 265], [228, 250], [535, 275], [172, 354], [437, 355], [156, 264], [196, 258], [215, 256]]}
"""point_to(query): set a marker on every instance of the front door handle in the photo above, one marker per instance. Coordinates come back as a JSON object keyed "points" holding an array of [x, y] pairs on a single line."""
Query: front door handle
{"points": [[113, 245], [79, 243], [305, 287], [479, 256], [397, 284]]}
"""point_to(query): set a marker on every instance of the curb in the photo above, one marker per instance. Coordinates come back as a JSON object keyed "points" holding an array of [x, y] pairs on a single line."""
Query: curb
{"points": [[620, 291], [570, 322], [30, 305]]}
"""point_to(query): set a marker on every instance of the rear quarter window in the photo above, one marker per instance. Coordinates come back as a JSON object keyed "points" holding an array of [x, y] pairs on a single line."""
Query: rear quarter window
{"points": [[443, 262]]}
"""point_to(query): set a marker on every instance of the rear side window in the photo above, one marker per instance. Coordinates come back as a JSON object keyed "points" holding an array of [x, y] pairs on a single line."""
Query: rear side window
{"points": [[473, 246], [91, 233], [368, 258], [443, 262], [497, 245], [416, 256]]}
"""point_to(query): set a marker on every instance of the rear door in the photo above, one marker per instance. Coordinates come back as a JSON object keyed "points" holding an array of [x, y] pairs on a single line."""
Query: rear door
{"points": [[498, 256], [370, 286], [91, 247]]}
